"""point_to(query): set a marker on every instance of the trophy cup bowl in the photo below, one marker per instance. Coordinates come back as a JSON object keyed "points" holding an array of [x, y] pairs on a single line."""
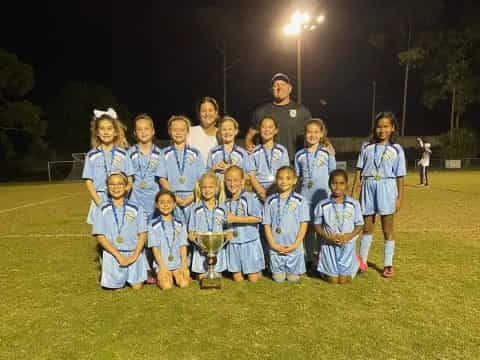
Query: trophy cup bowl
{"points": [[211, 243]]}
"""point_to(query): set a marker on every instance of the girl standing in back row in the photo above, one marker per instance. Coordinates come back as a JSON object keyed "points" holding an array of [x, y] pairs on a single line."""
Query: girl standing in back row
{"points": [[379, 181]]}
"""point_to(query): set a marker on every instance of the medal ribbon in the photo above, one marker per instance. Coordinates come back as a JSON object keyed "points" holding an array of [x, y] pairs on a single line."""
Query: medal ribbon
{"points": [[285, 208], [269, 162], [107, 171], [339, 226], [172, 242], [229, 158], [181, 168], [310, 166], [142, 176], [211, 214], [115, 215], [377, 166]]}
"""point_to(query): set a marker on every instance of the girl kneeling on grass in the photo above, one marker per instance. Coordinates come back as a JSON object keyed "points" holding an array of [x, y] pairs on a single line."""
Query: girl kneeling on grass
{"points": [[338, 221], [121, 228], [208, 215], [167, 237], [244, 252], [285, 217]]}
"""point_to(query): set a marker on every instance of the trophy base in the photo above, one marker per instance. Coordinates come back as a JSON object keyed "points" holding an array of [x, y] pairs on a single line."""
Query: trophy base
{"points": [[211, 283]]}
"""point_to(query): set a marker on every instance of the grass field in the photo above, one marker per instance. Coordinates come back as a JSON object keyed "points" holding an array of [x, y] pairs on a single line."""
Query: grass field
{"points": [[52, 308]]}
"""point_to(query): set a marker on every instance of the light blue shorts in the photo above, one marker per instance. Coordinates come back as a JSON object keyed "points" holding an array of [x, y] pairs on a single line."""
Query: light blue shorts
{"points": [[336, 260], [378, 196], [115, 276], [246, 258], [292, 263]]}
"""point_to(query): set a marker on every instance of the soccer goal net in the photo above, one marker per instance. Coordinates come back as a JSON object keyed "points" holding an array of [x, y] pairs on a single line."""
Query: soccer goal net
{"points": [[68, 169]]}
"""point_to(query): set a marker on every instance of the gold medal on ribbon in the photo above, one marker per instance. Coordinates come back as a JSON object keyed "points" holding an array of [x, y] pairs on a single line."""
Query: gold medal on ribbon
{"points": [[181, 179], [377, 177], [309, 184], [143, 184], [278, 230], [170, 257], [120, 239]]}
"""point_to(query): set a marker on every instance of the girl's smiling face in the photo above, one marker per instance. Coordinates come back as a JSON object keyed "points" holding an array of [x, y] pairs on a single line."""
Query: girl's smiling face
{"points": [[313, 134], [165, 204], [178, 131], [384, 129], [228, 132], [106, 131], [116, 186], [338, 186], [208, 188], [144, 131], [268, 130], [286, 180], [234, 181]]}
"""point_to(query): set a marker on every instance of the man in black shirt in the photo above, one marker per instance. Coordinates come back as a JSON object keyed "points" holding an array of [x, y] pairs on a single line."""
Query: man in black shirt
{"points": [[289, 115]]}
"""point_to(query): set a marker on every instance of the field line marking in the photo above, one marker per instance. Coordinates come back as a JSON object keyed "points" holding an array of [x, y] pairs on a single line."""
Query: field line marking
{"points": [[40, 202]]}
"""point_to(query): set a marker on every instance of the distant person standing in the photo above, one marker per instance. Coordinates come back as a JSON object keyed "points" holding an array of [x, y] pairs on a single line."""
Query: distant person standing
{"points": [[289, 115], [424, 162], [204, 136]]}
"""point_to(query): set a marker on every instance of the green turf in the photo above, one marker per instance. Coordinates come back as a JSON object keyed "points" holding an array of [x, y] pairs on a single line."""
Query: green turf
{"points": [[52, 308]]}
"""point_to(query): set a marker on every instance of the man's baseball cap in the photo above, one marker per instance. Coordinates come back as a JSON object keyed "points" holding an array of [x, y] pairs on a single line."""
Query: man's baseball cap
{"points": [[280, 76]]}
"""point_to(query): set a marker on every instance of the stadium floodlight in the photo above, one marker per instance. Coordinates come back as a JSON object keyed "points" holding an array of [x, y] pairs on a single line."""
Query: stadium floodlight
{"points": [[291, 29], [320, 18]]}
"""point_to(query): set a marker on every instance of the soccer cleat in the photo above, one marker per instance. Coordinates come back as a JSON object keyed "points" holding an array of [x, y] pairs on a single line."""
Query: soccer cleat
{"points": [[388, 272], [363, 265]]}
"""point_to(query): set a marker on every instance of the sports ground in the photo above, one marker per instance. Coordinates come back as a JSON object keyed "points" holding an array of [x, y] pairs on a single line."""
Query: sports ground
{"points": [[51, 306]]}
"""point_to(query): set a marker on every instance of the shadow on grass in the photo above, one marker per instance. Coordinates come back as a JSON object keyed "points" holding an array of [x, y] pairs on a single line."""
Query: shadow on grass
{"points": [[375, 266]]}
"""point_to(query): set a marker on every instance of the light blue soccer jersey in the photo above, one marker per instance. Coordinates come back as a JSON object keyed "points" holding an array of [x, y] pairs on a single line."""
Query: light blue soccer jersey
{"points": [[381, 160], [335, 260], [182, 169], [266, 162], [338, 218], [247, 205], [145, 185], [127, 221], [201, 220], [286, 214], [313, 168], [169, 237], [380, 165], [99, 164], [238, 156]]}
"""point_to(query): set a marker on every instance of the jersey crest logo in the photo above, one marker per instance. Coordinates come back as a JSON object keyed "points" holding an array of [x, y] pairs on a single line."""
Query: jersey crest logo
{"points": [[116, 161], [130, 216], [321, 161], [293, 113], [292, 207]]}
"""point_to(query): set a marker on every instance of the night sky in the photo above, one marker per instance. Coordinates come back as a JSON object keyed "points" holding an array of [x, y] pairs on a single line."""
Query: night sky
{"points": [[156, 57]]}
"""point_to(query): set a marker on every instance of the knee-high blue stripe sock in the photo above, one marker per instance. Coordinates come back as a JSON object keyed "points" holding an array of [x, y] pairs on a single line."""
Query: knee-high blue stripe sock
{"points": [[365, 246], [388, 252]]}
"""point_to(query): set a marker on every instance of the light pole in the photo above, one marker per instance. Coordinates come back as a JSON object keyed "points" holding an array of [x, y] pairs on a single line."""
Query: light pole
{"points": [[301, 22]]}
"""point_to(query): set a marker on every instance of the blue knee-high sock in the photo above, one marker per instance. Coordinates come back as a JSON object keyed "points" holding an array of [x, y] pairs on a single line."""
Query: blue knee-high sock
{"points": [[365, 246], [388, 252]]}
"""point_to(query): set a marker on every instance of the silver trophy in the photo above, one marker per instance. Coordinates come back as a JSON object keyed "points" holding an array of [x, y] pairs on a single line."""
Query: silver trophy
{"points": [[211, 243]]}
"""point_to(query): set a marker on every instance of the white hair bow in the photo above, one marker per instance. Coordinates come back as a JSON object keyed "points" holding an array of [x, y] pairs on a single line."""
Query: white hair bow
{"points": [[110, 112]]}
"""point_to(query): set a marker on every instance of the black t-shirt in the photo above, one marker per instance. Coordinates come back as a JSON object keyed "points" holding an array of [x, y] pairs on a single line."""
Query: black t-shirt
{"points": [[291, 120]]}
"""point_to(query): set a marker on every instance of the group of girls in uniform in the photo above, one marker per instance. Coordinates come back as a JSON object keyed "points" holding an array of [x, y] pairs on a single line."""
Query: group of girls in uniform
{"points": [[148, 204]]}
